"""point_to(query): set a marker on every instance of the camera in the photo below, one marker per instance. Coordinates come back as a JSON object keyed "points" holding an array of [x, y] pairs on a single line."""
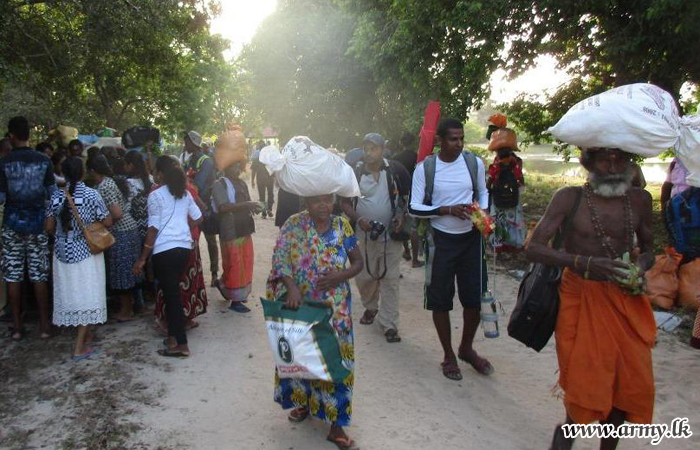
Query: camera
{"points": [[376, 229]]}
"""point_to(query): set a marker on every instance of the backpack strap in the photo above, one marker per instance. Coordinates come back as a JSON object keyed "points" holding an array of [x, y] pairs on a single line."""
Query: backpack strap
{"points": [[391, 184], [429, 164], [473, 168]]}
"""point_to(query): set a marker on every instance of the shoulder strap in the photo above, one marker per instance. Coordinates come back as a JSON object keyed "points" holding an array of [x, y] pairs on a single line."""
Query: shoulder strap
{"points": [[74, 210], [429, 170], [391, 185], [473, 168], [200, 161], [562, 232]]}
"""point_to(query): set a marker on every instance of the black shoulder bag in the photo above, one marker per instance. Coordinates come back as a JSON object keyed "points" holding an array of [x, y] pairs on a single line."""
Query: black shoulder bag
{"points": [[535, 315]]}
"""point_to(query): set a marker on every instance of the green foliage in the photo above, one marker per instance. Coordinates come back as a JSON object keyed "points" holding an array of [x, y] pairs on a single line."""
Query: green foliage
{"points": [[303, 83], [90, 63], [447, 49]]}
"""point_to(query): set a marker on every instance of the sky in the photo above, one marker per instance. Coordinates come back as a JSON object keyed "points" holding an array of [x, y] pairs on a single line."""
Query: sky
{"points": [[240, 19]]}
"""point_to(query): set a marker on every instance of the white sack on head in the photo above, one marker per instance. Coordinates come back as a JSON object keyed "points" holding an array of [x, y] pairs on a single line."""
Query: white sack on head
{"points": [[637, 118], [689, 148], [307, 169]]}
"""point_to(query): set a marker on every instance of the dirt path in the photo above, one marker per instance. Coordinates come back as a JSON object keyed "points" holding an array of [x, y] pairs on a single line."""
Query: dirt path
{"points": [[221, 397]]}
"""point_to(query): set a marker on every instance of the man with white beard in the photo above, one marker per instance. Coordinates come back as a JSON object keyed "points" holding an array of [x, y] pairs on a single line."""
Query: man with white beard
{"points": [[604, 331]]}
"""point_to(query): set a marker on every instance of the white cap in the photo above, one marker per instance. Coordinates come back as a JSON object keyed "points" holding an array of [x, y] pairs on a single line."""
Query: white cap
{"points": [[195, 137]]}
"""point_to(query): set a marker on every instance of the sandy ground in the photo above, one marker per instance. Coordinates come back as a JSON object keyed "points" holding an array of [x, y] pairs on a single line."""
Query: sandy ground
{"points": [[128, 397]]}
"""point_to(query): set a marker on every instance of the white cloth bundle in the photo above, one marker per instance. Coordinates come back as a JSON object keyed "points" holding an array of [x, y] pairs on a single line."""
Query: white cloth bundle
{"points": [[307, 169], [689, 148], [638, 118]]}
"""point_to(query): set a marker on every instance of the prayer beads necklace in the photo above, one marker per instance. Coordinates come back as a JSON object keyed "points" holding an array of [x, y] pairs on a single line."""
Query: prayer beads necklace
{"points": [[605, 240]]}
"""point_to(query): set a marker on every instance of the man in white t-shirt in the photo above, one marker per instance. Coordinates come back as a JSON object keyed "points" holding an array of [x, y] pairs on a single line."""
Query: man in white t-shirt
{"points": [[455, 248]]}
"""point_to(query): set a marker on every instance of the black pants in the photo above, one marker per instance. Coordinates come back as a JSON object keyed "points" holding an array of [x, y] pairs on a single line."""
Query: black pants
{"points": [[168, 267], [267, 186]]}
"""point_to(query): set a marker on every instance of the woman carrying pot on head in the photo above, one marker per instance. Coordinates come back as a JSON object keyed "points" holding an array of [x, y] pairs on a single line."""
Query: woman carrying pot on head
{"points": [[79, 293], [171, 209], [125, 251]]}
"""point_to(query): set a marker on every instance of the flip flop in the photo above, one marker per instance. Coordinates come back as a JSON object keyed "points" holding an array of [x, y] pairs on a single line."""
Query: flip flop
{"points": [[238, 307], [300, 416], [481, 365], [368, 317], [392, 336], [343, 443], [86, 355], [418, 264], [173, 354], [451, 370]]}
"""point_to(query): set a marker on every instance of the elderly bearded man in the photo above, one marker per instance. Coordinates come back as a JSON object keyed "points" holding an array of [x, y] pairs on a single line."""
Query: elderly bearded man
{"points": [[604, 334]]}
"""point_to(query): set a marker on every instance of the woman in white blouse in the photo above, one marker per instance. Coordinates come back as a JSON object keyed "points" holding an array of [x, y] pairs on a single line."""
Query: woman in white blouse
{"points": [[170, 240]]}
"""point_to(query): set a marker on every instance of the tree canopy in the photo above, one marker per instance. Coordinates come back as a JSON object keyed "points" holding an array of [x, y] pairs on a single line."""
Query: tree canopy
{"points": [[447, 49], [91, 63]]}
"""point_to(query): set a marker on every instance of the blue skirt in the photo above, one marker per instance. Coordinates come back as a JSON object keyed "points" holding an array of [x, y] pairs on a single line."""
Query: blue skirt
{"points": [[121, 258]]}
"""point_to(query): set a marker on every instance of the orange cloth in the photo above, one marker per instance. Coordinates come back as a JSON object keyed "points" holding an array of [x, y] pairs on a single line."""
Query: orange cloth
{"points": [[237, 258], [604, 339]]}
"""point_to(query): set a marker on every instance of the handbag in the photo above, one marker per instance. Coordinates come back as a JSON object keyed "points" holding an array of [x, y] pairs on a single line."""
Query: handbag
{"points": [[97, 235], [535, 314]]}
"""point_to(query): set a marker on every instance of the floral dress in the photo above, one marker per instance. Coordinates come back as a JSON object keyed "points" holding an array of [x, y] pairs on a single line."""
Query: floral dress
{"points": [[302, 254]]}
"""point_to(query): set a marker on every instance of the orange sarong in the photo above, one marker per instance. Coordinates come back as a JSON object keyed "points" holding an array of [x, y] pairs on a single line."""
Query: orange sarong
{"points": [[604, 338]]}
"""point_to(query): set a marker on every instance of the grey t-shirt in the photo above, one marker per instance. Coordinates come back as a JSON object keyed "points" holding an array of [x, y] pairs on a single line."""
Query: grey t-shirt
{"points": [[375, 204], [227, 227]]}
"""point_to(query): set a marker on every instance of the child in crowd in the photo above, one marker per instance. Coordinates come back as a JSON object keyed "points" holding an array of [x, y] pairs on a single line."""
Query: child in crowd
{"points": [[231, 200]]}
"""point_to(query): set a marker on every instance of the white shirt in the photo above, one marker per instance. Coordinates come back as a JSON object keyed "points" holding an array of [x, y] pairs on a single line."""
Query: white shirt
{"points": [[453, 186], [169, 216]]}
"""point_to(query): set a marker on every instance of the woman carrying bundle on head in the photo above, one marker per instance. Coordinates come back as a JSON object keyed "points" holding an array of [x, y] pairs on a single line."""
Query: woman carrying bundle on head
{"points": [[309, 267], [79, 293], [171, 210], [506, 183]]}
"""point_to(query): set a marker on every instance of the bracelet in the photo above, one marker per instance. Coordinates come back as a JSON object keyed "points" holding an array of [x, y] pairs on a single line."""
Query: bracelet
{"points": [[588, 265], [576, 262], [148, 246]]}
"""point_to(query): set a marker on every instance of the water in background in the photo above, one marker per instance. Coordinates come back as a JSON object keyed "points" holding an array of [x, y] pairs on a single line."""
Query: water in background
{"points": [[541, 159]]}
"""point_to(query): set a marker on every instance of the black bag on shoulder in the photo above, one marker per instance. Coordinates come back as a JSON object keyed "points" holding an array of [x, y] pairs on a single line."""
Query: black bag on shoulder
{"points": [[506, 192], [535, 315]]}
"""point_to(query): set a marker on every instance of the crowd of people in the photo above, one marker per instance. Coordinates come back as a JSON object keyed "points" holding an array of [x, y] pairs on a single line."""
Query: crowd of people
{"points": [[157, 208]]}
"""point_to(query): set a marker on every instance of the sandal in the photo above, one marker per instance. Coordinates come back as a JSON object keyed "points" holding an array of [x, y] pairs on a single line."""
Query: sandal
{"points": [[298, 415], [418, 264], [451, 370], [481, 365], [368, 317], [343, 443], [18, 334], [173, 354], [85, 355], [238, 307], [392, 336]]}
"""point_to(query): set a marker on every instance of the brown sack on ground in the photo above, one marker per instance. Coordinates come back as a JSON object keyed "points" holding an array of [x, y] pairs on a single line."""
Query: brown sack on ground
{"points": [[662, 279], [689, 284]]}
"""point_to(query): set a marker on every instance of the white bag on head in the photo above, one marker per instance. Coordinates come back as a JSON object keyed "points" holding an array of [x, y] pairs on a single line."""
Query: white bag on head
{"points": [[307, 169], [689, 148], [637, 118]]}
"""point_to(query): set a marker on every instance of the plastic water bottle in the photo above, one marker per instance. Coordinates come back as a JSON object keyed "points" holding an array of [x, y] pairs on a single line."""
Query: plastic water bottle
{"points": [[489, 316]]}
